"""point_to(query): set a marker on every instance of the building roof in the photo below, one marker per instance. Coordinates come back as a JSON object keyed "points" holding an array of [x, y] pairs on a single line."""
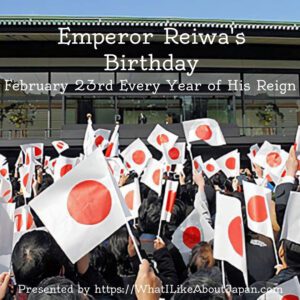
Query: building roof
{"points": [[151, 22]]}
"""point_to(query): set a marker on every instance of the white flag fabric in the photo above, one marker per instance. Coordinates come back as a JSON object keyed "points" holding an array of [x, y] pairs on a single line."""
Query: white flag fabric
{"points": [[88, 142], [3, 160], [132, 197], [289, 290], [27, 172], [268, 155], [38, 150], [174, 155], [291, 223], [19, 160], [258, 210], [86, 205], [60, 146], [211, 167], [207, 130], [153, 174], [193, 230], [136, 156], [23, 219], [198, 164], [230, 163], [5, 190], [4, 171], [253, 150], [64, 165], [113, 145], [116, 167], [101, 138], [169, 200], [6, 234], [160, 137], [229, 239]]}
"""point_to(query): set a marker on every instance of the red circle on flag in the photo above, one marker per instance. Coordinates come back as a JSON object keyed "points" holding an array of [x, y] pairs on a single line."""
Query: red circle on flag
{"points": [[53, 163], [37, 151], [89, 202], [25, 179], [27, 159], [129, 199], [162, 139], [3, 172], [6, 193], [283, 173], [257, 210], [18, 222], [269, 178], [29, 221], [171, 201], [273, 159], [210, 167], [290, 297], [254, 152], [168, 168], [128, 165], [191, 236], [203, 132], [138, 157], [230, 163], [174, 153], [65, 169], [196, 165], [60, 145], [235, 235], [156, 176], [98, 140]]}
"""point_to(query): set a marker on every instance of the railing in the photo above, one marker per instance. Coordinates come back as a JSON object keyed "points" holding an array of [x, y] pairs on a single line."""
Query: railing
{"points": [[43, 133], [49, 133], [268, 130]]}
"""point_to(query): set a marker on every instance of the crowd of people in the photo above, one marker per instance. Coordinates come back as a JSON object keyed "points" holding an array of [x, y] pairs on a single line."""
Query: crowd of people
{"points": [[41, 270]]}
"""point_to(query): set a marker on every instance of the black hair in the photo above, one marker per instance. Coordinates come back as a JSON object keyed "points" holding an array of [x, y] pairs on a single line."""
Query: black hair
{"points": [[118, 245], [291, 253], [149, 214], [56, 288], [35, 257], [206, 285]]}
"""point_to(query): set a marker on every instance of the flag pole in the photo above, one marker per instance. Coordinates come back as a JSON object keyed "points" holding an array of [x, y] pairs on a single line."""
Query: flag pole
{"points": [[134, 242], [159, 227], [275, 251], [223, 274]]}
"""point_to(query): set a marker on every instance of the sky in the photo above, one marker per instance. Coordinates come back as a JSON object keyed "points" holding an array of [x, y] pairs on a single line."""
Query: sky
{"points": [[268, 10]]}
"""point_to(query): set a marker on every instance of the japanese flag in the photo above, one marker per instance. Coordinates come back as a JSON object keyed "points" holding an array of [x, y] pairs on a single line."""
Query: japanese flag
{"points": [[268, 155], [211, 168], [3, 160], [291, 223], [136, 156], [198, 164], [6, 234], [46, 161], [5, 190], [23, 219], [86, 205], [230, 163], [229, 240], [193, 230], [132, 197], [60, 146], [4, 171], [101, 138], [88, 142], [153, 175], [113, 145], [64, 165], [257, 205], [169, 200], [207, 130], [253, 150], [27, 172], [160, 136], [174, 155], [289, 290], [116, 167], [38, 150]]}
